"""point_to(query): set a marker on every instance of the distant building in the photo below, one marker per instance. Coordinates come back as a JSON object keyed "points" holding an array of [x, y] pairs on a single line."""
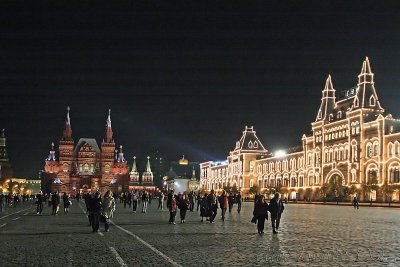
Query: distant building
{"points": [[179, 180], [6, 171], [354, 147], [84, 166]]}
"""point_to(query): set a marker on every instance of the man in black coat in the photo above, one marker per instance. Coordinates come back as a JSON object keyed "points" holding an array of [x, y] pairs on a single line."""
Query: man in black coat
{"points": [[94, 211], [276, 208]]}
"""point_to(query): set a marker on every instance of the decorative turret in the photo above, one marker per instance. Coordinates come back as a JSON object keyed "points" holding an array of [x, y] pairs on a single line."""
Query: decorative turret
{"points": [[366, 96], [327, 101], [67, 134], [147, 177], [52, 153], [193, 174], [120, 155], [109, 132], [134, 174]]}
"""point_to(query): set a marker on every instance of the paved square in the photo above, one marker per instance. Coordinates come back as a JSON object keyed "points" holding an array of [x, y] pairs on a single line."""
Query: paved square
{"points": [[310, 235]]}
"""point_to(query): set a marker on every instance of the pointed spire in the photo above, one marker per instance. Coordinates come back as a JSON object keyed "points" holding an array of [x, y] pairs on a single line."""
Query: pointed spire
{"points": [[366, 96], [134, 166], [68, 121], [148, 168], [366, 75], [328, 100], [193, 174], [67, 134], [109, 132], [109, 118]]}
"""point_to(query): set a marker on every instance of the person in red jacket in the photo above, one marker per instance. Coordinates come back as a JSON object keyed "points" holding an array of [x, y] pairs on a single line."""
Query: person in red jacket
{"points": [[172, 211], [224, 203]]}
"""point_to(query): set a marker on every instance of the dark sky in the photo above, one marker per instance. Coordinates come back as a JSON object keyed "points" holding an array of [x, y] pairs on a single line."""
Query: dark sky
{"points": [[184, 78]]}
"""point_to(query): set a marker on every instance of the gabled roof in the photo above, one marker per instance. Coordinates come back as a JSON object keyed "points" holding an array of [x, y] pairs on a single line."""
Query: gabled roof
{"points": [[249, 141], [91, 141]]}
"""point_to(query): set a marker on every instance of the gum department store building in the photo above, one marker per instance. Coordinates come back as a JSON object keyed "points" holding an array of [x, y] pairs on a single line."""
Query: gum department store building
{"points": [[353, 141]]}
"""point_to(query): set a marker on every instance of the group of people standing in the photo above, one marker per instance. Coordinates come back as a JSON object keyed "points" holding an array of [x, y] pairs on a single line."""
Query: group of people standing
{"points": [[100, 209], [54, 201], [261, 209]]}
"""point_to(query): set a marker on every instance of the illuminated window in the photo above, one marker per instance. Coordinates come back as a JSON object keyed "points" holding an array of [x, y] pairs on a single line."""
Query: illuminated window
{"points": [[80, 168], [372, 101], [92, 167], [376, 149], [86, 168], [65, 167], [107, 168]]}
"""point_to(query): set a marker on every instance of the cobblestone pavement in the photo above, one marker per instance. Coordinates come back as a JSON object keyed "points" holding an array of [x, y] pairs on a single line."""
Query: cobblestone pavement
{"points": [[310, 235]]}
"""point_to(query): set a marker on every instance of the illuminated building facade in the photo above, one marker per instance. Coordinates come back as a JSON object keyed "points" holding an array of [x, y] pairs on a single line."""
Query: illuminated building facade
{"points": [[353, 145], [85, 165]]}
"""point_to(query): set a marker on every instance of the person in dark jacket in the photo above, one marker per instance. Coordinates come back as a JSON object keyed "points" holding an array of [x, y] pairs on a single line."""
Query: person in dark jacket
{"points": [[260, 213], [94, 211], [239, 202], [213, 206], [276, 208], [55, 202], [203, 207], [66, 202], [39, 202], [183, 205]]}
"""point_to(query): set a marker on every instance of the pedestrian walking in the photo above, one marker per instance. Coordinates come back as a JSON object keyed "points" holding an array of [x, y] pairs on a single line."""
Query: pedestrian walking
{"points": [[260, 214], [66, 202], [39, 202], [212, 204], [204, 207], [239, 202], [108, 208], [276, 209], [145, 200], [199, 201], [55, 202], [129, 199], [161, 201], [231, 201], [2, 203], [172, 211], [135, 199], [184, 205], [355, 201], [191, 200], [224, 203], [95, 206]]}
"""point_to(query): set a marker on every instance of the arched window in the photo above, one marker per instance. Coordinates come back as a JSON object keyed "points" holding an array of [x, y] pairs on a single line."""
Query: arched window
{"points": [[376, 148], [339, 115], [86, 167], [390, 151], [369, 150], [65, 167], [255, 144], [107, 168], [372, 101]]}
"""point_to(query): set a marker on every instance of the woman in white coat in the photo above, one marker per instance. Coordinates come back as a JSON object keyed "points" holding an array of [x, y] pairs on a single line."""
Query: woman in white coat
{"points": [[108, 208]]}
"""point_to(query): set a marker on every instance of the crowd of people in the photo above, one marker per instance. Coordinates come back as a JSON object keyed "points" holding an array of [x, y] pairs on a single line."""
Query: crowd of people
{"points": [[101, 208]]}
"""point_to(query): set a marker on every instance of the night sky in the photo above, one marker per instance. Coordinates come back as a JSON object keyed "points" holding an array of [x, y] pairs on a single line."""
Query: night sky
{"points": [[184, 78]]}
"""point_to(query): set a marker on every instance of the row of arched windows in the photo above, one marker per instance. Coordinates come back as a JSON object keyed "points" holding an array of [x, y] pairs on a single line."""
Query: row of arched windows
{"points": [[279, 166]]}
